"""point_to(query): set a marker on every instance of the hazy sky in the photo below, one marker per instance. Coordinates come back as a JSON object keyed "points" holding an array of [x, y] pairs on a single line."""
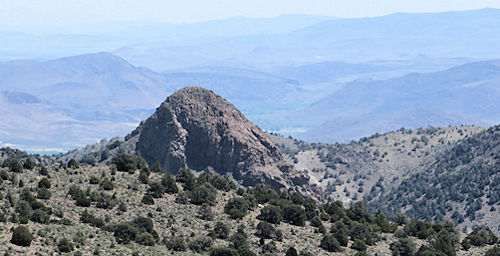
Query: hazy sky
{"points": [[65, 12]]}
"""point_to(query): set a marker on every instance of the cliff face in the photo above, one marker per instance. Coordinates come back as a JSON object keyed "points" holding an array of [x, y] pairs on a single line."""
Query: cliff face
{"points": [[197, 128]]}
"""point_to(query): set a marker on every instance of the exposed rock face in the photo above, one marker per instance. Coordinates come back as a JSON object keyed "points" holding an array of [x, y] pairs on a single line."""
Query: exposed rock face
{"points": [[197, 128]]}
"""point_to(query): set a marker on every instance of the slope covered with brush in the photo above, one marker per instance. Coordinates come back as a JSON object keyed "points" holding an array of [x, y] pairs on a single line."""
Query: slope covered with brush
{"points": [[462, 182], [130, 209], [432, 173]]}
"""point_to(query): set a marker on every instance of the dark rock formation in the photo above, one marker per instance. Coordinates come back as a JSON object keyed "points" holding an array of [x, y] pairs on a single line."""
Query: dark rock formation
{"points": [[197, 128]]}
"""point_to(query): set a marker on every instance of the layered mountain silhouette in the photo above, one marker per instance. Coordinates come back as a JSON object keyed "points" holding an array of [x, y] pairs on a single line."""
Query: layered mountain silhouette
{"points": [[80, 85], [400, 36], [101, 95], [465, 94]]}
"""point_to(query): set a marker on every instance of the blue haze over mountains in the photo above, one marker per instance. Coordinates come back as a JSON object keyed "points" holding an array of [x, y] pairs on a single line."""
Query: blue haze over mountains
{"points": [[317, 78]]}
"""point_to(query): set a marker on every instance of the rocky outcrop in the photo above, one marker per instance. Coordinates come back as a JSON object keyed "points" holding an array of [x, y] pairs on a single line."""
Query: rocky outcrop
{"points": [[197, 128]]}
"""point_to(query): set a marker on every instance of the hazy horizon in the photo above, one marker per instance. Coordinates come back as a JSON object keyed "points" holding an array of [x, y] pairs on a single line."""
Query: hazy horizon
{"points": [[54, 14]]}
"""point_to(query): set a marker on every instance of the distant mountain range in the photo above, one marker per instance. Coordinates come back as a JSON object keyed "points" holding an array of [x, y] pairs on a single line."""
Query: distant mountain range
{"points": [[401, 36], [88, 97], [466, 94], [100, 95], [269, 42], [27, 42], [334, 79], [104, 82]]}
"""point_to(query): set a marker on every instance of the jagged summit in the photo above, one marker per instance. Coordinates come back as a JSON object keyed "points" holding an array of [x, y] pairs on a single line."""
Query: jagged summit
{"points": [[202, 125], [199, 129]]}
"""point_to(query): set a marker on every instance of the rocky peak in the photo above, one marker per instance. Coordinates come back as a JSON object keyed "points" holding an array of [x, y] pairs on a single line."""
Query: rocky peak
{"points": [[199, 129]]}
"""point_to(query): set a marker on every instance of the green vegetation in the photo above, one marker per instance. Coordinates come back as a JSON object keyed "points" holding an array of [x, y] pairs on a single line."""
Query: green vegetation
{"points": [[129, 163], [495, 251], [28, 164], [185, 214], [64, 245], [221, 230], [236, 207], [465, 173], [403, 247], [205, 193], [139, 230], [21, 236], [330, 244], [481, 237], [271, 214], [15, 165], [294, 214]]}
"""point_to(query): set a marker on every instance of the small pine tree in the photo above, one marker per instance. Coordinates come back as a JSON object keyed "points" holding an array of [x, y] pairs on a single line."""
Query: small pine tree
{"points": [[144, 177], [330, 244], [187, 178], [494, 251], [223, 251], [358, 245], [294, 214], [148, 199], [21, 236], [65, 245], [44, 183], [239, 239], [156, 168], [169, 184], [177, 243], [106, 184], [265, 230], [404, 246], [15, 166], [156, 189], [205, 193], [43, 193], [465, 244], [401, 219], [145, 238], [271, 214], [43, 171], [29, 164], [221, 230], [40, 216], [236, 207], [122, 207]]}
